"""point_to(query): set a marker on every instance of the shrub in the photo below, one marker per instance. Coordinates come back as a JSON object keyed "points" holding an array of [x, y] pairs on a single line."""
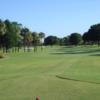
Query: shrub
{"points": [[1, 56]]}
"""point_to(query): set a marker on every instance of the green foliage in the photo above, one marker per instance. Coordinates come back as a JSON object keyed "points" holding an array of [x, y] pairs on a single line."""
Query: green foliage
{"points": [[41, 35], [1, 55], [93, 34], [14, 35], [36, 40], [51, 40], [65, 41], [2, 27], [75, 38]]}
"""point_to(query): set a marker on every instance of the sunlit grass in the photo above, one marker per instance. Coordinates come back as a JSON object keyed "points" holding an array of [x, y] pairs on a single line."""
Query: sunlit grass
{"points": [[23, 76]]}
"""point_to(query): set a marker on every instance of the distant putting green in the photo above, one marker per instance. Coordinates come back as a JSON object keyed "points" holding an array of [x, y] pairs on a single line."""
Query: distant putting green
{"points": [[56, 73]]}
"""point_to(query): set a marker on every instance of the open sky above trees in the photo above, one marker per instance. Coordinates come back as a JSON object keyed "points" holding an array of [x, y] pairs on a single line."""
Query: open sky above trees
{"points": [[53, 17]]}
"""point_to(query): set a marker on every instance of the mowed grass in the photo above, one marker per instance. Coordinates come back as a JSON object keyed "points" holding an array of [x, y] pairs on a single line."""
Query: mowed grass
{"points": [[56, 73]]}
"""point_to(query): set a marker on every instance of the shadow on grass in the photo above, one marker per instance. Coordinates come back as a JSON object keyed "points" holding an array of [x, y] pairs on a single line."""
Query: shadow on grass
{"points": [[75, 50], [66, 78], [95, 55]]}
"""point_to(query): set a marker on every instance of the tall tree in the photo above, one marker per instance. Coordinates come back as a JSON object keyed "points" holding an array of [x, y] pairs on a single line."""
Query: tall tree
{"points": [[2, 32], [94, 33], [29, 39], [24, 33], [66, 40], [16, 30], [35, 40], [75, 38], [51, 40], [41, 36], [10, 36], [86, 38]]}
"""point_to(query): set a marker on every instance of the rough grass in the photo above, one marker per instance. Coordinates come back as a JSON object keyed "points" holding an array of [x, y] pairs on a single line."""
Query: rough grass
{"points": [[23, 76]]}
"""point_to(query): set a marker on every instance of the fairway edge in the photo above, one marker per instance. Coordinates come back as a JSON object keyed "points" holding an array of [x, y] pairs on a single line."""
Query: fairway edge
{"points": [[66, 78]]}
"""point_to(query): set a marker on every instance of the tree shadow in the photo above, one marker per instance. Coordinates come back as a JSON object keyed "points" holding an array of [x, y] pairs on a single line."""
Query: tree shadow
{"points": [[67, 50], [95, 55]]}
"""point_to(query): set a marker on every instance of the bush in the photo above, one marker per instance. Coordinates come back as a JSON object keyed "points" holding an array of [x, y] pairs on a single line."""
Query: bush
{"points": [[1, 56]]}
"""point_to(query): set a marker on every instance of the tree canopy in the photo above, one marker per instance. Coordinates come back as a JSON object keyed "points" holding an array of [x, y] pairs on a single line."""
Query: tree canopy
{"points": [[93, 34], [75, 38], [14, 36], [51, 40]]}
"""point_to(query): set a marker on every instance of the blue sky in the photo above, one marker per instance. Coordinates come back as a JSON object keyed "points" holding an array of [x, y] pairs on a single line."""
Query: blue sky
{"points": [[54, 17]]}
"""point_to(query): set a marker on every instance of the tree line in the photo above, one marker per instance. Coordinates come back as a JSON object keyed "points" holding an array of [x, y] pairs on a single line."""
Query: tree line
{"points": [[92, 36], [13, 37]]}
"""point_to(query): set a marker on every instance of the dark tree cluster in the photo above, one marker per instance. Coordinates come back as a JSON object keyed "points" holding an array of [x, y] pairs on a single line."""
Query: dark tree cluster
{"points": [[51, 40], [73, 39], [13, 36], [92, 36]]}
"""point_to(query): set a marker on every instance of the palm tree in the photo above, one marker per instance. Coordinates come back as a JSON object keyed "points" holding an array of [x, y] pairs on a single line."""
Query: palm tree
{"points": [[35, 40], [27, 37], [2, 32], [24, 31], [16, 28], [41, 36]]}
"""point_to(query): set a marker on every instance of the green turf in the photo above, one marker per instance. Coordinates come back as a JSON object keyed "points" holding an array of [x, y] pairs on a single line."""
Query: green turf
{"points": [[57, 73]]}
